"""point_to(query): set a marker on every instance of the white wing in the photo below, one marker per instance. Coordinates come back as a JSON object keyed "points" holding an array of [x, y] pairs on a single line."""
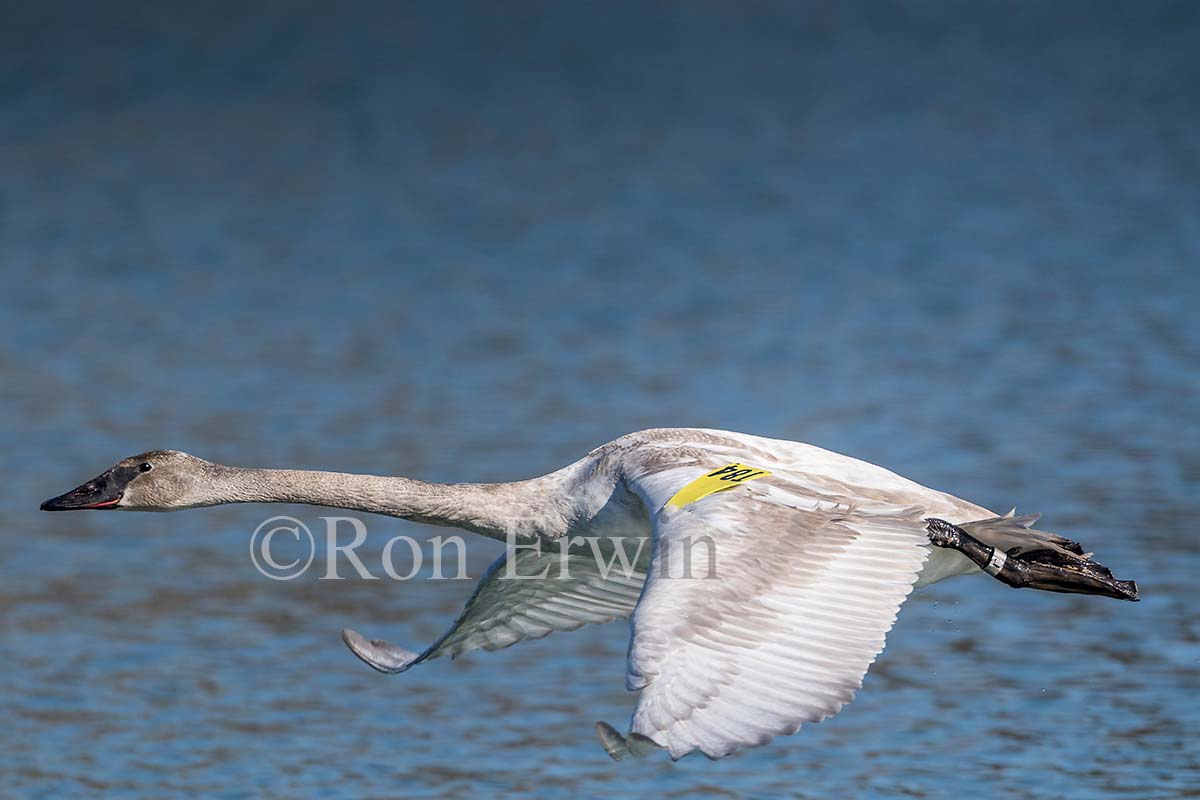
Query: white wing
{"points": [[805, 589], [504, 610]]}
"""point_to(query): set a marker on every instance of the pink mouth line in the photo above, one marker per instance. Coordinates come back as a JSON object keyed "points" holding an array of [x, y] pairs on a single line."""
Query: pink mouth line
{"points": [[106, 503]]}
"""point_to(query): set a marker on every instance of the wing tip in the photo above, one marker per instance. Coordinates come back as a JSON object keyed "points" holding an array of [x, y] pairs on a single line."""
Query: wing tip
{"points": [[377, 654], [620, 747], [614, 743]]}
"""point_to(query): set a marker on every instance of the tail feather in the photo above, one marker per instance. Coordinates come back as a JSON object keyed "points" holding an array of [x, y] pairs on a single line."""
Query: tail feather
{"points": [[1015, 535]]}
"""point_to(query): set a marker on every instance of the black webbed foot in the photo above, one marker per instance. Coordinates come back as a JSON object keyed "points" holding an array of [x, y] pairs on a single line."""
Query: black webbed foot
{"points": [[1051, 571], [1048, 569]]}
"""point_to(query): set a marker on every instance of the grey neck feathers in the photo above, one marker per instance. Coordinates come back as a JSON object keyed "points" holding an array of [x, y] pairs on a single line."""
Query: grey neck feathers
{"points": [[538, 507]]}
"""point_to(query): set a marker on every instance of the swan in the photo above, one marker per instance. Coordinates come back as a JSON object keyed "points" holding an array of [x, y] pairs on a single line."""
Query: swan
{"points": [[810, 554]]}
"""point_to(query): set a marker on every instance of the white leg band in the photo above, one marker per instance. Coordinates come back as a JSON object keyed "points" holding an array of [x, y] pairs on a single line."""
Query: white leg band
{"points": [[996, 562]]}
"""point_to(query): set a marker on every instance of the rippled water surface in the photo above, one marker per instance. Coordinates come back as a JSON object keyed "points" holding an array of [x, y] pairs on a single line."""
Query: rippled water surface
{"points": [[959, 241]]}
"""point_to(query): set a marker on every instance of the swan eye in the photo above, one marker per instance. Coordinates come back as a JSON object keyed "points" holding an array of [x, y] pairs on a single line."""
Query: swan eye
{"points": [[145, 466]]}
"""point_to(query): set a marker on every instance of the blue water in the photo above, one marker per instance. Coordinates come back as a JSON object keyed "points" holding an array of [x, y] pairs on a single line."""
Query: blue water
{"points": [[471, 244]]}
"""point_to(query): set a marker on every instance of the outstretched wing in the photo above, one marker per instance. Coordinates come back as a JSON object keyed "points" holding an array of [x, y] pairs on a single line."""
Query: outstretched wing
{"points": [[528, 598], [780, 631]]}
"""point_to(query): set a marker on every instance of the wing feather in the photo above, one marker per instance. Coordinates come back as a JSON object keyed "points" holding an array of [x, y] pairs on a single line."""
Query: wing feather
{"points": [[503, 611], [783, 631]]}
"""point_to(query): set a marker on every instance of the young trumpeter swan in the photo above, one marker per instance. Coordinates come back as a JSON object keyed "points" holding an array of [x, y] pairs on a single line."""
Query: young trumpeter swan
{"points": [[807, 556]]}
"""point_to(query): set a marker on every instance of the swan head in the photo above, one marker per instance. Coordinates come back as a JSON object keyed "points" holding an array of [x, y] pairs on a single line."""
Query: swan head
{"points": [[157, 480]]}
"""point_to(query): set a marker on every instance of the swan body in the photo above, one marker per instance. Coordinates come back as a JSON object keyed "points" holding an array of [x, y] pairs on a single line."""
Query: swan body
{"points": [[805, 565]]}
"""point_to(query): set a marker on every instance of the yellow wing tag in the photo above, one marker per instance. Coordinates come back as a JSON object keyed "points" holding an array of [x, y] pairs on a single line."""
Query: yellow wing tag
{"points": [[726, 477]]}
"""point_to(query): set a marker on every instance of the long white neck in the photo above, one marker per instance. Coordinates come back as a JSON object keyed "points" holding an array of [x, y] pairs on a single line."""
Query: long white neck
{"points": [[545, 506]]}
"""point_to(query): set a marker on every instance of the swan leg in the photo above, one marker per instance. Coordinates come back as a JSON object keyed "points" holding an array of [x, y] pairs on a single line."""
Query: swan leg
{"points": [[1044, 569], [380, 655], [943, 534]]}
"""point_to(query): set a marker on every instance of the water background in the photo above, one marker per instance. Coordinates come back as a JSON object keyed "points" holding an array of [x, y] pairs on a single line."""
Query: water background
{"points": [[471, 243]]}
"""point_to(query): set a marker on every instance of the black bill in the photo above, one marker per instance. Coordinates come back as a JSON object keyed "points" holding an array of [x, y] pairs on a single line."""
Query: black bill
{"points": [[103, 491]]}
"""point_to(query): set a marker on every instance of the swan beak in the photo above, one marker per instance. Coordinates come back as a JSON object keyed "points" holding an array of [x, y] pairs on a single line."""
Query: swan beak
{"points": [[103, 491]]}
